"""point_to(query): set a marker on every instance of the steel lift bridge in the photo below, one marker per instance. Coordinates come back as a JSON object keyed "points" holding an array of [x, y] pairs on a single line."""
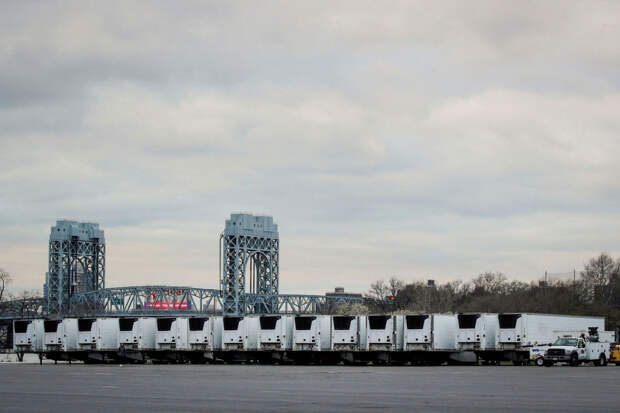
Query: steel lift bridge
{"points": [[249, 279]]}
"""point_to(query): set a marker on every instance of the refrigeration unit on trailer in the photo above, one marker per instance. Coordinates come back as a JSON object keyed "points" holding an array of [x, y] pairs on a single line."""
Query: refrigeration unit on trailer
{"points": [[28, 336], [274, 333], [429, 332], [311, 333], [201, 333], [380, 333], [53, 335], [172, 333], [238, 333], [87, 333], [128, 333], [136, 337], [345, 334], [476, 331]]}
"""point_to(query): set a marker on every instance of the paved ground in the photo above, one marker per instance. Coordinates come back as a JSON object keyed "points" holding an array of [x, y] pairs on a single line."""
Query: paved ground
{"points": [[175, 388]]}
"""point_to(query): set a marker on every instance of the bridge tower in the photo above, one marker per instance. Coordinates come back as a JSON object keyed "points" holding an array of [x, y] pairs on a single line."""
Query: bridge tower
{"points": [[76, 262], [251, 247]]}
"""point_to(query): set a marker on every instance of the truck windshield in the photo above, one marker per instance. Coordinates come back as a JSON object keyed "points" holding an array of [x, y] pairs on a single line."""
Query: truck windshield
{"points": [[566, 342]]}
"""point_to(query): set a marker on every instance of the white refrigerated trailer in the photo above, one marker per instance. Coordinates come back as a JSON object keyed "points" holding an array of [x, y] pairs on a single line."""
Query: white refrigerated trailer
{"points": [[425, 338], [87, 334], [203, 334], [107, 339], [380, 333], [477, 333], [274, 333], [55, 335], [128, 333], [96, 338], [518, 332], [239, 333], [345, 333], [136, 337], [28, 336], [172, 334], [147, 330], [311, 333], [429, 332]]}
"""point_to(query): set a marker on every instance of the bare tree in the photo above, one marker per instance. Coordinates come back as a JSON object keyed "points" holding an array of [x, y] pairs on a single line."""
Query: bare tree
{"points": [[490, 283], [597, 274], [394, 286], [379, 290], [382, 290], [5, 280]]}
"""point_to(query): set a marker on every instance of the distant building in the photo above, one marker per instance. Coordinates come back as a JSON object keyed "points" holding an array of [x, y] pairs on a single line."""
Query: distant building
{"points": [[339, 292]]}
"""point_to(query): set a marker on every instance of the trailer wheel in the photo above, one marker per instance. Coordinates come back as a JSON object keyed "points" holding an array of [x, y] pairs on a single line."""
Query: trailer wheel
{"points": [[574, 360], [540, 361], [602, 360]]}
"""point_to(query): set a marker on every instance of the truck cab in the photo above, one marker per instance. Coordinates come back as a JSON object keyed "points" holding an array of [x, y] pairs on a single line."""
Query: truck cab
{"points": [[576, 350]]}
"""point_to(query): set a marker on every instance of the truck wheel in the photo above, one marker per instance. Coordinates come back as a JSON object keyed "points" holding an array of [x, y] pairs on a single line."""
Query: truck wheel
{"points": [[574, 360], [602, 360], [540, 362]]}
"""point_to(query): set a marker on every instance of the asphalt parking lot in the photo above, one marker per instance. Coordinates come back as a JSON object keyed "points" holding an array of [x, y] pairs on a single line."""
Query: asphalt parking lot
{"points": [[199, 388]]}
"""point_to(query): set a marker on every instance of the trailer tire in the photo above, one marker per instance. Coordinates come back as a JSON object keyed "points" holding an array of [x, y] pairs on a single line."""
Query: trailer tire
{"points": [[574, 360], [540, 362]]}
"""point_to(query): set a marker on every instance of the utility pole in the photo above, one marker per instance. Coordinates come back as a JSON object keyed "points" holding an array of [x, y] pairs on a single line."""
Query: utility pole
{"points": [[574, 286]]}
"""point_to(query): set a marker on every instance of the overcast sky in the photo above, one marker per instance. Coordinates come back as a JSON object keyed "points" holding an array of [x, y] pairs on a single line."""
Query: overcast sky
{"points": [[417, 139]]}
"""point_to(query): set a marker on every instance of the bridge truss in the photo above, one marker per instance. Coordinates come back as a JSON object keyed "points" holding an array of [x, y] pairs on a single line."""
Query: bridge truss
{"points": [[250, 252]]}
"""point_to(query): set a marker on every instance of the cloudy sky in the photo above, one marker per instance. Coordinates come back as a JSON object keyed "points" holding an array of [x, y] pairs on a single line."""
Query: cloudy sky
{"points": [[417, 139]]}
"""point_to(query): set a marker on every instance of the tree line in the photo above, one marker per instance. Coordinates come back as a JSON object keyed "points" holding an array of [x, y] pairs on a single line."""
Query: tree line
{"points": [[595, 291]]}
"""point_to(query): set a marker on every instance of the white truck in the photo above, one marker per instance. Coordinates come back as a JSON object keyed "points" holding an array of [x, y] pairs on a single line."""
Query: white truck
{"points": [[519, 333], [576, 350]]}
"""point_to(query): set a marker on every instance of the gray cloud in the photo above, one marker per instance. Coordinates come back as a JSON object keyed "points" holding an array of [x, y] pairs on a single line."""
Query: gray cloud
{"points": [[402, 139]]}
